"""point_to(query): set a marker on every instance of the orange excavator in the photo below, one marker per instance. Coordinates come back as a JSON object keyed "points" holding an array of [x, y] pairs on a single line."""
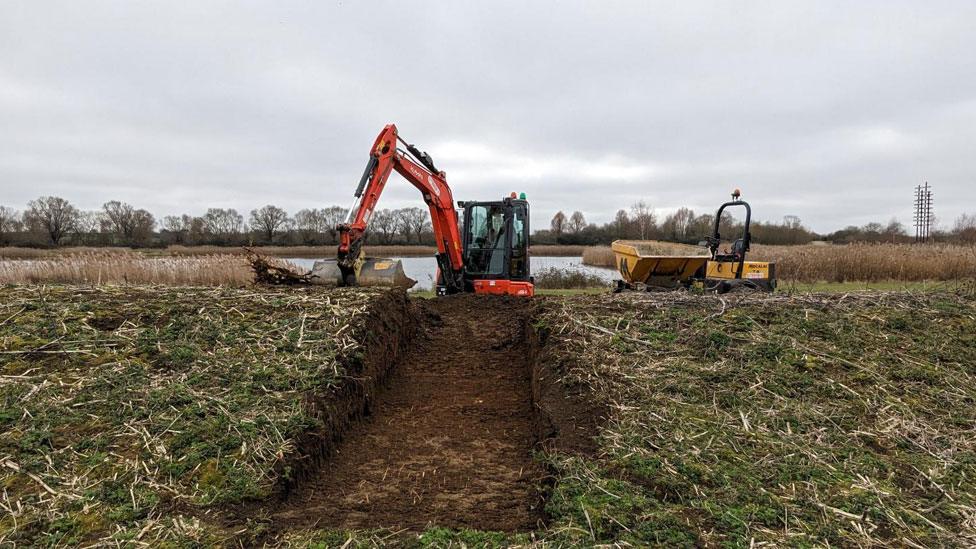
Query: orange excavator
{"points": [[490, 255]]}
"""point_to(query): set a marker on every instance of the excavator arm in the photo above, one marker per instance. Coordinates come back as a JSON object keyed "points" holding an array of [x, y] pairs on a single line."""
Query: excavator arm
{"points": [[420, 171]]}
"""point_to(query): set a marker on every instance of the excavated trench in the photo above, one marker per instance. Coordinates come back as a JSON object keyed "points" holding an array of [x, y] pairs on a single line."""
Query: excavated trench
{"points": [[453, 401]]}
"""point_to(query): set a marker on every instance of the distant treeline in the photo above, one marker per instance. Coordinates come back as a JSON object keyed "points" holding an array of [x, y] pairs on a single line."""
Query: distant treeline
{"points": [[53, 221], [684, 225]]}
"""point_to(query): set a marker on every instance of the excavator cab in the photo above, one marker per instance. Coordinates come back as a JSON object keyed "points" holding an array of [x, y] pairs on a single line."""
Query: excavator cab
{"points": [[495, 240], [490, 257]]}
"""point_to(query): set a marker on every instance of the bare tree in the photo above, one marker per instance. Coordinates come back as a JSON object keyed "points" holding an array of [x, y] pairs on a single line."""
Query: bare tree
{"points": [[310, 224], [965, 228], [223, 223], [727, 225], [173, 223], [701, 225], [873, 230], [414, 220], [643, 217], [184, 229], [132, 226], [558, 224], [268, 220], [577, 222], [9, 223], [621, 224], [118, 218], [195, 228], [52, 215], [677, 224], [894, 230], [386, 222], [89, 227], [143, 225], [334, 215], [790, 231], [177, 227]]}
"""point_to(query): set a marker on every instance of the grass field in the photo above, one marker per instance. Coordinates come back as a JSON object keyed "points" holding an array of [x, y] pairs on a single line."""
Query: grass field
{"points": [[805, 420], [166, 415], [126, 412]]}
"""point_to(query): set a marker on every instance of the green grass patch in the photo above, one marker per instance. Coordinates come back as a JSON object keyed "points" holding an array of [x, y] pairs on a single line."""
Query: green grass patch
{"points": [[807, 419], [118, 402]]}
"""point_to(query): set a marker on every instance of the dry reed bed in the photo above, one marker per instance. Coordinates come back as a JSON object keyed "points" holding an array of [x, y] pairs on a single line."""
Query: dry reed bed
{"points": [[870, 262], [125, 411], [813, 420], [803, 264], [599, 256], [854, 262], [132, 268], [308, 252], [12, 252]]}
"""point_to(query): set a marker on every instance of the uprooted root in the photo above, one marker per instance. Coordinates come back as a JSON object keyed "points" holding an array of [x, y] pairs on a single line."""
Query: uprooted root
{"points": [[266, 272]]}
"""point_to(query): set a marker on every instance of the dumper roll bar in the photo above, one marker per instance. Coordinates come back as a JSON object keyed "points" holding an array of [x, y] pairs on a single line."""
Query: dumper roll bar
{"points": [[739, 247]]}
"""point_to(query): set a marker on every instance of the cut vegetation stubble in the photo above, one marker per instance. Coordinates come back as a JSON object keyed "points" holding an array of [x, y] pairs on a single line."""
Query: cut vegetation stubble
{"points": [[193, 415], [126, 414], [805, 420], [97, 268]]}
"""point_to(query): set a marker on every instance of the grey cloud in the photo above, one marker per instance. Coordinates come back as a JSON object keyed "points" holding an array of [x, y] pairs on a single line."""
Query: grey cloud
{"points": [[830, 111]]}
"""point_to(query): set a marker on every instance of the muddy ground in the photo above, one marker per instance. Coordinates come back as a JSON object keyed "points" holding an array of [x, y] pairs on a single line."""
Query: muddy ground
{"points": [[448, 440]]}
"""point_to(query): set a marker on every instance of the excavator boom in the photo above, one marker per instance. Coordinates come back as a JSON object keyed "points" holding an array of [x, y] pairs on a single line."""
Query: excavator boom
{"points": [[385, 157], [352, 267]]}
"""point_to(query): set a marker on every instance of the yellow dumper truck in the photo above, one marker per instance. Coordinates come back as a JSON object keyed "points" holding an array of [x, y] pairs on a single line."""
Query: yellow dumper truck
{"points": [[643, 267]]}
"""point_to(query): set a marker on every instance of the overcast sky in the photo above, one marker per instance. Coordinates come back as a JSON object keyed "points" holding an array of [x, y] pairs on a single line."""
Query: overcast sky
{"points": [[829, 111]]}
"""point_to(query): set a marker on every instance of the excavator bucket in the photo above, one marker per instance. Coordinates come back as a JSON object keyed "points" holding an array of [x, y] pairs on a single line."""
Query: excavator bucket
{"points": [[373, 272]]}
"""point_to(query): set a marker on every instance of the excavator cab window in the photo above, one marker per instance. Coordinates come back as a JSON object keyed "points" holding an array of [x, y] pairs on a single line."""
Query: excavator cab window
{"points": [[496, 239], [486, 237], [519, 263]]}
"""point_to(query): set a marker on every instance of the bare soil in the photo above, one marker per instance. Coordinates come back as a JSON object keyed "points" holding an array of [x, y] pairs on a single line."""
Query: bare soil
{"points": [[449, 439]]}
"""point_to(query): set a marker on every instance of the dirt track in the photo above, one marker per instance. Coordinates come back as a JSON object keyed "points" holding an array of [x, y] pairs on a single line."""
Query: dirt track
{"points": [[449, 439]]}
